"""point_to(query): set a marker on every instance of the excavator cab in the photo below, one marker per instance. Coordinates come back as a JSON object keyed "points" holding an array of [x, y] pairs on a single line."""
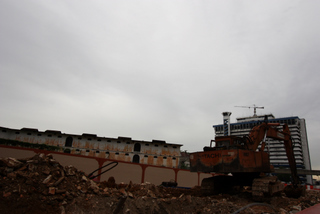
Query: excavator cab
{"points": [[227, 142]]}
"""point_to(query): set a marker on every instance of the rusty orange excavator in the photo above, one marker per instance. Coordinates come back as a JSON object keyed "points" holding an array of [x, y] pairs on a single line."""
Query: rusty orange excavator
{"points": [[242, 161]]}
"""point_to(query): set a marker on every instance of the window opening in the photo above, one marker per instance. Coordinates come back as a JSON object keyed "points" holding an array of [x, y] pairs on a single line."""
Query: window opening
{"points": [[136, 159], [69, 141], [137, 147]]}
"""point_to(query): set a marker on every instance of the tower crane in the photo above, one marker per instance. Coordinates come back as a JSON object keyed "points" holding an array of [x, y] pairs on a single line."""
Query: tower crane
{"points": [[254, 108]]}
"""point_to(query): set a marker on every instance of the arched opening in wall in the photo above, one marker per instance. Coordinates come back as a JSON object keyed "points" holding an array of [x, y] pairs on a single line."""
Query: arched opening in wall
{"points": [[69, 141], [136, 159], [137, 147]]}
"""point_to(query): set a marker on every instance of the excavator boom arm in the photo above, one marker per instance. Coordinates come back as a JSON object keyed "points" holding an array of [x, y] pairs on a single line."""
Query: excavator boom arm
{"points": [[258, 134]]}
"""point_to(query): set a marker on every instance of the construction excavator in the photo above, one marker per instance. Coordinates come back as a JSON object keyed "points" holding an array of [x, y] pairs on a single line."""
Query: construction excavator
{"points": [[243, 161]]}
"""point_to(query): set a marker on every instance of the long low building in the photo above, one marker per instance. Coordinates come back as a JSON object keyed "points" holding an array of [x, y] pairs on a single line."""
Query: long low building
{"points": [[155, 152]]}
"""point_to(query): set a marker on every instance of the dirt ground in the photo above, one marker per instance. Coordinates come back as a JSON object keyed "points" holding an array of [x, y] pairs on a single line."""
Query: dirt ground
{"points": [[41, 185]]}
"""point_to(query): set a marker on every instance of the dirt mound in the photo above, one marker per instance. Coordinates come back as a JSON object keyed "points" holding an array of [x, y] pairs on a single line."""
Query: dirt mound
{"points": [[41, 185]]}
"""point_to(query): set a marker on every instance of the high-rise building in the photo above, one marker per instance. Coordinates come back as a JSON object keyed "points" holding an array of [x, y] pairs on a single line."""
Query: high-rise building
{"points": [[276, 148]]}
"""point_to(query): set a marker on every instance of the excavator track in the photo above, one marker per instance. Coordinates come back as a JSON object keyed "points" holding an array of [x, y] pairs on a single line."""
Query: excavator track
{"points": [[265, 187]]}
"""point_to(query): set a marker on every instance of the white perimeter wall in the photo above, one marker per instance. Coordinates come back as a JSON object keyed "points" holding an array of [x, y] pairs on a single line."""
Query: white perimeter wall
{"points": [[124, 172]]}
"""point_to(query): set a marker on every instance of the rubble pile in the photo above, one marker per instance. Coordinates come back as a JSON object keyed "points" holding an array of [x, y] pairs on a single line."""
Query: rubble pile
{"points": [[41, 185]]}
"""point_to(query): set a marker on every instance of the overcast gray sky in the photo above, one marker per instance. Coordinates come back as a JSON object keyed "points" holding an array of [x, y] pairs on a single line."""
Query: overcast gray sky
{"points": [[161, 70]]}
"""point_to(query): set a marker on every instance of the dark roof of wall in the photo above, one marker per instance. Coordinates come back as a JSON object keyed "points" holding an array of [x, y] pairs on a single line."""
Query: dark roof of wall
{"points": [[93, 136], [29, 129], [124, 138], [53, 131], [88, 135], [159, 141]]}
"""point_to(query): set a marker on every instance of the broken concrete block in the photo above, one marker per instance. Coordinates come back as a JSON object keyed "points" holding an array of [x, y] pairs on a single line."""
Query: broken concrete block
{"points": [[70, 170], [130, 194], [60, 191], [6, 194], [47, 180], [58, 181], [93, 186], [52, 190], [12, 162], [41, 156], [123, 192]]}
